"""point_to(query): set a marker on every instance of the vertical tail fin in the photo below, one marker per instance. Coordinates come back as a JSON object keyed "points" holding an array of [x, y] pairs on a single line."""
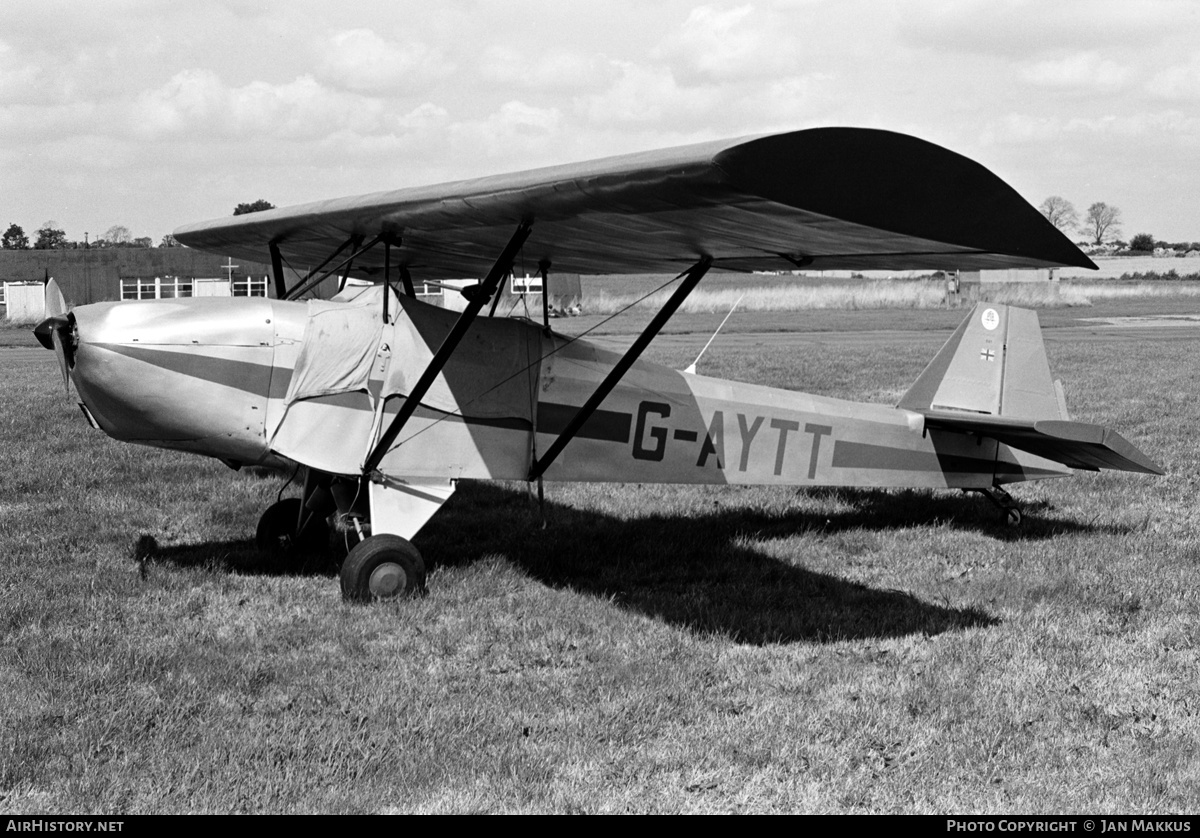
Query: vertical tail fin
{"points": [[994, 364]]}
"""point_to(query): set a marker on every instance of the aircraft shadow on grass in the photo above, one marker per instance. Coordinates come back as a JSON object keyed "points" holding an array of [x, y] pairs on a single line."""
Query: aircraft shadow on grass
{"points": [[692, 570]]}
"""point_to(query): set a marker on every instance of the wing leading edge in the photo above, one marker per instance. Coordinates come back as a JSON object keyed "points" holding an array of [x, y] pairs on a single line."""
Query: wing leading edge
{"points": [[824, 198]]}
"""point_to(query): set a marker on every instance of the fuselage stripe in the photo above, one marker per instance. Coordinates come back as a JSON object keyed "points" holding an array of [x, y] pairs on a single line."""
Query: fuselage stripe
{"points": [[605, 425]]}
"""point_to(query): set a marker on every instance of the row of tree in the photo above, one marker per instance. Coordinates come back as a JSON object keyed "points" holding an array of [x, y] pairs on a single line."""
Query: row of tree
{"points": [[1102, 226], [1101, 223], [51, 237]]}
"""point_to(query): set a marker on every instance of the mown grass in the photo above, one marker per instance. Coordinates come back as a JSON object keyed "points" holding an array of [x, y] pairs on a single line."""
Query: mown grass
{"points": [[653, 649]]}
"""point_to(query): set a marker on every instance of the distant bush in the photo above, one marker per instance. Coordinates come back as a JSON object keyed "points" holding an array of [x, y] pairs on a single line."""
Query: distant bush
{"points": [[1157, 276]]}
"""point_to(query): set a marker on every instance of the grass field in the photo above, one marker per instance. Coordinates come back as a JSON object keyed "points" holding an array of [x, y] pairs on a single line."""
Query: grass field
{"points": [[653, 649], [748, 295]]}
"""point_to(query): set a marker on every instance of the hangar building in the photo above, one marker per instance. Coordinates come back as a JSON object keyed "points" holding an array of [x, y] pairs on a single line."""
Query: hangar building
{"points": [[92, 275]]}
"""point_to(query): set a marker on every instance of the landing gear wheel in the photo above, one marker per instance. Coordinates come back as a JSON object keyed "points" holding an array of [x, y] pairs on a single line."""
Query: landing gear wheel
{"points": [[1010, 510], [276, 534], [382, 567]]}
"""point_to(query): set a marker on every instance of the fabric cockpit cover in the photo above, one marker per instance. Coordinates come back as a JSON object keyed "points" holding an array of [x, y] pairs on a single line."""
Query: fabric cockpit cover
{"points": [[329, 407]]}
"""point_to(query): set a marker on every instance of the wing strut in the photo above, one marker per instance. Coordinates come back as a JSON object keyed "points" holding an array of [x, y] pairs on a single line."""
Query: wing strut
{"points": [[690, 277], [277, 271], [544, 270], [349, 263], [406, 278], [279, 274], [477, 301], [387, 276], [315, 277]]}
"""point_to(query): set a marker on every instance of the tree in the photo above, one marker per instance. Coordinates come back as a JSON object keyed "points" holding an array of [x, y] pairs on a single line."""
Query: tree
{"points": [[169, 241], [117, 235], [14, 238], [1142, 241], [1060, 212], [257, 206], [1101, 222], [50, 237]]}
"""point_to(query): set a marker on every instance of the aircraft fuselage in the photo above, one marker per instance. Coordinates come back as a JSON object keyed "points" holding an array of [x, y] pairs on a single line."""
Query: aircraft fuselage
{"points": [[257, 381]]}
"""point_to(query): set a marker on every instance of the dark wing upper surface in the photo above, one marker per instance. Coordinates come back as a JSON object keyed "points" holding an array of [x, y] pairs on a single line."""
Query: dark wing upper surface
{"points": [[825, 198]]}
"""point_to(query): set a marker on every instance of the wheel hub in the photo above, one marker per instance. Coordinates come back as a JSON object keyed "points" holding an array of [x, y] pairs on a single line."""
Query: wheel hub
{"points": [[387, 580]]}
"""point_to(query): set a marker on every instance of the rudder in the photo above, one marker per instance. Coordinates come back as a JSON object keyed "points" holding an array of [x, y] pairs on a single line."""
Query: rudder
{"points": [[994, 364]]}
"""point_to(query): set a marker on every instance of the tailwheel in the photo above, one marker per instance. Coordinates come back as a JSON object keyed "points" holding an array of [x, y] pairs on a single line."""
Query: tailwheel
{"points": [[382, 567], [281, 532], [1010, 510]]}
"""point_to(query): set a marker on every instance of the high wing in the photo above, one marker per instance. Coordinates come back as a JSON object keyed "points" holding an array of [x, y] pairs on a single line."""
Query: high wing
{"points": [[824, 198]]}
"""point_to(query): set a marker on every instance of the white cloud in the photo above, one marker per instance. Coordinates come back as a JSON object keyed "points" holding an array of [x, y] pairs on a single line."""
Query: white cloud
{"points": [[1019, 129], [639, 95], [360, 60], [1017, 28], [197, 101], [650, 97], [17, 80], [554, 70], [1170, 126], [43, 124], [515, 127], [1181, 81], [423, 117], [726, 45], [1084, 71]]}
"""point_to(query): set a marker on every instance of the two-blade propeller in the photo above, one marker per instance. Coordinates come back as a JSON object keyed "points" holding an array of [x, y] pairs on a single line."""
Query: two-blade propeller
{"points": [[55, 332]]}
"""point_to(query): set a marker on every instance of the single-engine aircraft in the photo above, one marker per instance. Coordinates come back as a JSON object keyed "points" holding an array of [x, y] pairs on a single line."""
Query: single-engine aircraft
{"points": [[385, 401]]}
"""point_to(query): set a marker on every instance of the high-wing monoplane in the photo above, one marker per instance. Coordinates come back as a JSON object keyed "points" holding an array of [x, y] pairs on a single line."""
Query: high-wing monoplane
{"points": [[385, 401]]}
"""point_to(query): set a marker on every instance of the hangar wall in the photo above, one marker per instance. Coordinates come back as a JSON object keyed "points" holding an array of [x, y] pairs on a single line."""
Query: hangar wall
{"points": [[93, 275]]}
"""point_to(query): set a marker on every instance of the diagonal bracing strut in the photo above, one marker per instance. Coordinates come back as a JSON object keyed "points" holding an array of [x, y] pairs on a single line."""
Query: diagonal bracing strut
{"points": [[450, 343], [281, 289], [315, 278], [690, 277]]}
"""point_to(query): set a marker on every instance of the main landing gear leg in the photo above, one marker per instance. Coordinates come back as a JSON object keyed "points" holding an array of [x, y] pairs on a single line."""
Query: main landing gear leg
{"points": [[385, 564], [295, 527], [1010, 510]]}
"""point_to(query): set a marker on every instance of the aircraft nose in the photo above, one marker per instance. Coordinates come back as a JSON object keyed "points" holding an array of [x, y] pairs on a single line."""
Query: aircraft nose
{"points": [[187, 374], [106, 380]]}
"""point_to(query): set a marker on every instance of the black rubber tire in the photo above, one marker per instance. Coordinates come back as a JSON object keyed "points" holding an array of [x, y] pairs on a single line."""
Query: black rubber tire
{"points": [[276, 533], [382, 567]]}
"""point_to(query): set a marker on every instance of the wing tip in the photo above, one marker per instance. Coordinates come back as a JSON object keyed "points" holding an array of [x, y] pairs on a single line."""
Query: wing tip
{"points": [[903, 184]]}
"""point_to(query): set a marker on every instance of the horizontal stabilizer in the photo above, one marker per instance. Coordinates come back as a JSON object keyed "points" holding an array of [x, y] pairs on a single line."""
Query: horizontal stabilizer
{"points": [[1075, 444], [992, 379]]}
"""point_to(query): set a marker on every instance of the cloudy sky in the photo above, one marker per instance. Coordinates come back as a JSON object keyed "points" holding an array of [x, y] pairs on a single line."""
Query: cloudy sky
{"points": [[152, 114]]}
